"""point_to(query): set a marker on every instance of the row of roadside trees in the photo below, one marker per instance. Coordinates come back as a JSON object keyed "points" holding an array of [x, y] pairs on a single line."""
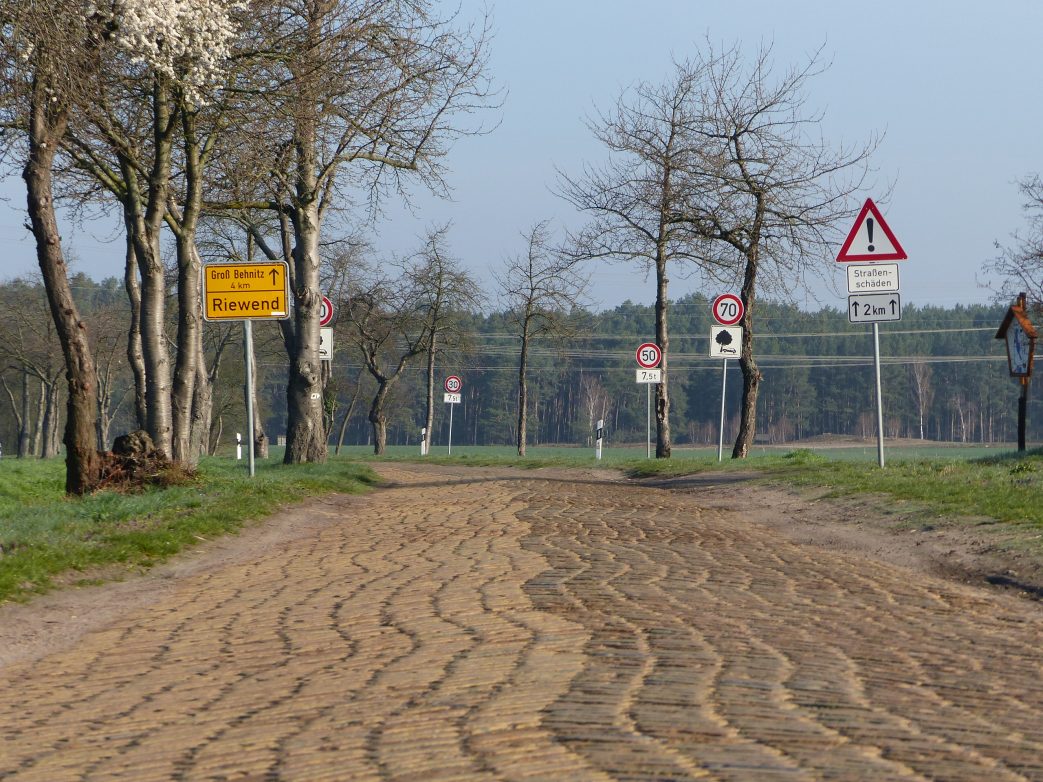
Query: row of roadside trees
{"points": [[192, 118]]}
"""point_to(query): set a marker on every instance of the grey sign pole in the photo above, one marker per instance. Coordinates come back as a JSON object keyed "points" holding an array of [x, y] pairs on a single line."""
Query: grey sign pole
{"points": [[724, 386], [648, 421], [451, 406], [879, 397], [248, 349]]}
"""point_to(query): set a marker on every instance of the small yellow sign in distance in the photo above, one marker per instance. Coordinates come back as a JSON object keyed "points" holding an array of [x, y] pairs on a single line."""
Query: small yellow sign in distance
{"points": [[241, 291]]}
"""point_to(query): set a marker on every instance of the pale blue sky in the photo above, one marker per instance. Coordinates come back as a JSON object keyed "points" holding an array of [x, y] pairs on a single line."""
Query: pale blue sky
{"points": [[954, 86]]}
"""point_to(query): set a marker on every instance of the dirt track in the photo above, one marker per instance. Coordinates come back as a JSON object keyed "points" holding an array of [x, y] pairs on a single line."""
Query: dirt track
{"points": [[478, 625]]}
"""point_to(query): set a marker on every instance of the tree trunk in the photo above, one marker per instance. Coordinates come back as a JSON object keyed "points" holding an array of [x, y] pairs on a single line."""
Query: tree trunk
{"points": [[135, 356], [47, 125], [305, 441], [304, 427], [348, 413], [37, 447], [378, 419], [49, 442], [24, 436], [523, 390], [189, 334], [148, 223], [429, 417], [189, 297], [662, 390], [751, 375], [202, 406]]}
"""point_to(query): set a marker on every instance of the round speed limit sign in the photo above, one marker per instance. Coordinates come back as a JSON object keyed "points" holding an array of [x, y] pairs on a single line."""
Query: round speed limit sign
{"points": [[649, 355], [728, 309], [453, 384]]}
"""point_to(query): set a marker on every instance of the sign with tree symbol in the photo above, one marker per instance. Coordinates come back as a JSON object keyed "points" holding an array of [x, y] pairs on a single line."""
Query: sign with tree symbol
{"points": [[725, 341]]}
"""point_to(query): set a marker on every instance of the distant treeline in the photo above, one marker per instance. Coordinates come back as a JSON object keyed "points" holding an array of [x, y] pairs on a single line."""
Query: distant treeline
{"points": [[945, 377]]}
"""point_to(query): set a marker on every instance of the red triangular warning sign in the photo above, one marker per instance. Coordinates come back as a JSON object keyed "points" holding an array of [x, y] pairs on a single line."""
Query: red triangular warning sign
{"points": [[871, 239]]}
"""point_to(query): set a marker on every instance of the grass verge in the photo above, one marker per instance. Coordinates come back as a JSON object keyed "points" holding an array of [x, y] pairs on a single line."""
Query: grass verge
{"points": [[44, 536]]}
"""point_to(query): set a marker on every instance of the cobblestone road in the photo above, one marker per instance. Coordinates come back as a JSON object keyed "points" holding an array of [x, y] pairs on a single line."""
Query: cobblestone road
{"points": [[498, 625]]}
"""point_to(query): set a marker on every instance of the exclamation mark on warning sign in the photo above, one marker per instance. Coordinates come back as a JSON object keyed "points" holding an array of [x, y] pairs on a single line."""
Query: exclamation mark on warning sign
{"points": [[869, 227]]}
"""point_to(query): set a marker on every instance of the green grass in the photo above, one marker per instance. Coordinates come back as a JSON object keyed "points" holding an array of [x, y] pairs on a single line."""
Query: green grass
{"points": [[47, 537]]}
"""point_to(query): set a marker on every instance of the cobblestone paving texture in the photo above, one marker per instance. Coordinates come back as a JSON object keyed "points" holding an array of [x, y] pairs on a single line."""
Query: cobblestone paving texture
{"points": [[502, 626]]}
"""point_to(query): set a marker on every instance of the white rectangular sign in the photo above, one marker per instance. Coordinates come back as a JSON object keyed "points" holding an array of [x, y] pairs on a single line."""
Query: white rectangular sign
{"points": [[872, 278], [325, 344], [453, 399], [725, 341], [874, 307], [649, 376]]}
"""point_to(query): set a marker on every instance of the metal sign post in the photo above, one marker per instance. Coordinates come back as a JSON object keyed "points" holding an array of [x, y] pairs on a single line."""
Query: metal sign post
{"points": [[873, 287], [453, 385], [648, 357], [720, 434], [248, 349], [246, 292], [879, 397], [451, 406]]}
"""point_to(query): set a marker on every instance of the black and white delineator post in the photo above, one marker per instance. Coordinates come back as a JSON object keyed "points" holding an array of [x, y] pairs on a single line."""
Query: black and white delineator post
{"points": [[423, 441], [238, 447], [598, 440]]}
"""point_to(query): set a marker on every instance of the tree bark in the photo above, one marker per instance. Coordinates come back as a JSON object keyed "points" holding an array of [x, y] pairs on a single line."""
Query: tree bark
{"points": [[47, 126], [304, 427], [24, 437], [523, 391], [202, 406], [189, 296], [135, 356], [429, 413], [662, 391], [378, 418], [751, 375], [148, 222]]}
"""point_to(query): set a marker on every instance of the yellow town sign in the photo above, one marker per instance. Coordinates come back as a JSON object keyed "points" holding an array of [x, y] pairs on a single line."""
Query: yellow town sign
{"points": [[246, 291]]}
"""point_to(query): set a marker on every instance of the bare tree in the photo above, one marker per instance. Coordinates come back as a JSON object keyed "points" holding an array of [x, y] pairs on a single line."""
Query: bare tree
{"points": [[358, 96], [48, 56], [445, 291], [1020, 265], [388, 325], [636, 200], [923, 393], [766, 195], [539, 290]]}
